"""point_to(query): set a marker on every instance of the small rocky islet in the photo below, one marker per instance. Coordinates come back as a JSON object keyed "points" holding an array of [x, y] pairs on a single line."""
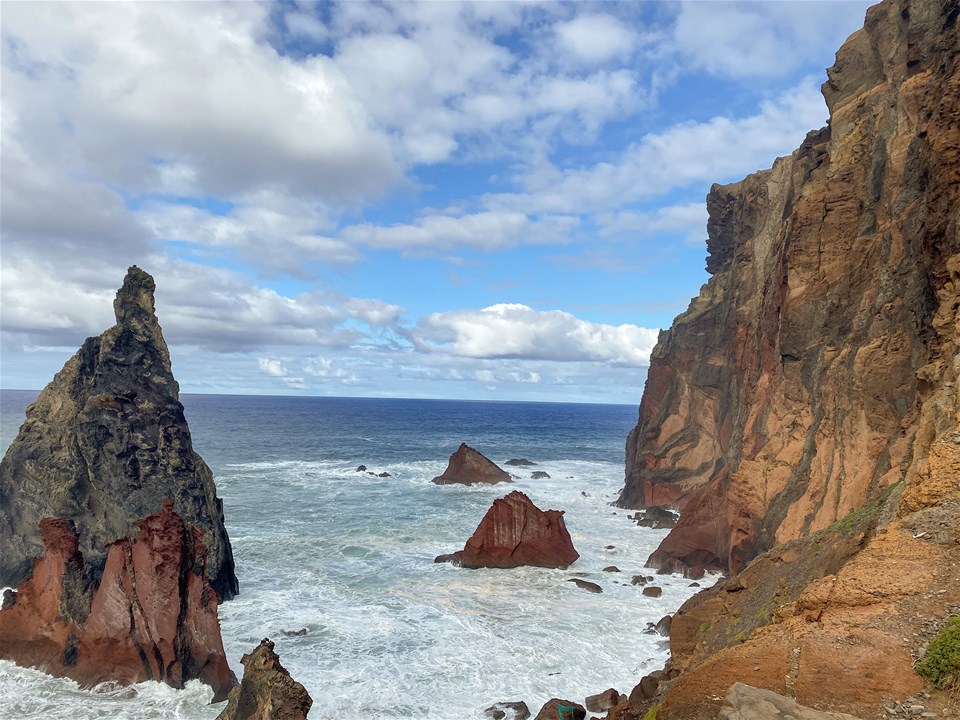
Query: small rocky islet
{"points": [[802, 415]]}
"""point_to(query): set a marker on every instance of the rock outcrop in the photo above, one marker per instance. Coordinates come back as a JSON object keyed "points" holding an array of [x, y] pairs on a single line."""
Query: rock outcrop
{"points": [[804, 412], [790, 392], [267, 692], [743, 702], [110, 525], [516, 532], [151, 616], [104, 445], [468, 466]]}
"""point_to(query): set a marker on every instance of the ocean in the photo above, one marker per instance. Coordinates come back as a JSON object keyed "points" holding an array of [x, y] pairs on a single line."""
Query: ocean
{"points": [[348, 557]]}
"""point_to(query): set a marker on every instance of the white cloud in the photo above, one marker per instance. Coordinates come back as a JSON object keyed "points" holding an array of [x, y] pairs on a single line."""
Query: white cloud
{"points": [[518, 331], [484, 230], [325, 368], [375, 313], [272, 367], [688, 220], [762, 39], [719, 149], [595, 38]]}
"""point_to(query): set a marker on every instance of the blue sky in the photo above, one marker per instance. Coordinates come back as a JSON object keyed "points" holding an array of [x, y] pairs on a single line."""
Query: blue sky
{"points": [[497, 200]]}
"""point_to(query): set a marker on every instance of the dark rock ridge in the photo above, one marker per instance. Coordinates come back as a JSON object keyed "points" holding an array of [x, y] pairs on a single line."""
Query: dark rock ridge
{"points": [[267, 692], [152, 616], [468, 466], [104, 445], [790, 392], [516, 532]]}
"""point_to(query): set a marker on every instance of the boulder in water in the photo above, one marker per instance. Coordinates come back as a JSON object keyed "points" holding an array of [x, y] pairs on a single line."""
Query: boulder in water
{"points": [[516, 532], [468, 466]]}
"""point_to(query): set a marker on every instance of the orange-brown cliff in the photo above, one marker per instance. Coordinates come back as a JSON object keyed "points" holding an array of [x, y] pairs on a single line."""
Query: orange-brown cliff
{"points": [[790, 392]]}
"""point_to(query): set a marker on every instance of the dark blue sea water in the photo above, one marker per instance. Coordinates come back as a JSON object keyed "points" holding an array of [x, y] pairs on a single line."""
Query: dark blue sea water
{"points": [[349, 558]]}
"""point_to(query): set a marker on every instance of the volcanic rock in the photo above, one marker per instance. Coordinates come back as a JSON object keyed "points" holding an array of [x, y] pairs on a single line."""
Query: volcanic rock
{"points": [[656, 517], [267, 692], [516, 532], [104, 445], [109, 521], [508, 711], [653, 591], [540, 475], [586, 585], [602, 701], [804, 413], [555, 709], [151, 616], [468, 466], [788, 394], [519, 462]]}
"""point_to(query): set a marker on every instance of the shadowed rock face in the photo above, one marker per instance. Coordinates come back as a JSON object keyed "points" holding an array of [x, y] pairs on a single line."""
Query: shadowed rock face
{"points": [[791, 390], [267, 692], [104, 445], [516, 532], [468, 466], [152, 616]]}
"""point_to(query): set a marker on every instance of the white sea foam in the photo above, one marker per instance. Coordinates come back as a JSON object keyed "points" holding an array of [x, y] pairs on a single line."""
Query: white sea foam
{"points": [[390, 634]]}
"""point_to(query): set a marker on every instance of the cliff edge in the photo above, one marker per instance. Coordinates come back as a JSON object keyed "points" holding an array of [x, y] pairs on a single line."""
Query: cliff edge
{"points": [[792, 391]]}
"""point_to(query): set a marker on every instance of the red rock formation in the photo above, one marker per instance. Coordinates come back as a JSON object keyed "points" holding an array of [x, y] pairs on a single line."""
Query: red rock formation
{"points": [[151, 616], [516, 532], [789, 393], [468, 466], [267, 692]]}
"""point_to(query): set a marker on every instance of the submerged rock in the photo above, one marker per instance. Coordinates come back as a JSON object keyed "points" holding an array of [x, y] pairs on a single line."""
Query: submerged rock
{"points": [[516, 532], [267, 692], [519, 462], [109, 521], [152, 616], [104, 444], [468, 466], [508, 711], [586, 585], [657, 518], [540, 475]]}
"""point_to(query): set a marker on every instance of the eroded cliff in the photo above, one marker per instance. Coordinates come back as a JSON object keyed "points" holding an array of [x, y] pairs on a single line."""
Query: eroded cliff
{"points": [[790, 393], [105, 444]]}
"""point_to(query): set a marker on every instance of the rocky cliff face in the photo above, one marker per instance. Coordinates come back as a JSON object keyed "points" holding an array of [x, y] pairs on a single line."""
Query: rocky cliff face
{"points": [[801, 382], [104, 445], [110, 525], [152, 615], [267, 692]]}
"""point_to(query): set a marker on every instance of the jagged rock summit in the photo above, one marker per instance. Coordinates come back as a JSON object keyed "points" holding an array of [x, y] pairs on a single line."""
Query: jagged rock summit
{"points": [[516, 532], [267, 692], [110, 525], [468, 466], [104, 445]]}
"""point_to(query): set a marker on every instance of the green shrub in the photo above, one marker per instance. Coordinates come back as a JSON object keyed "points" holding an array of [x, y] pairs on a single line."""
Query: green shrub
{"points": [[941, 663], [652, 713]]}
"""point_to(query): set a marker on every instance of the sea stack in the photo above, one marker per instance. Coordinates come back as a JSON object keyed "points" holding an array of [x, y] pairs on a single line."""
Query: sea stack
{"points": [[468, 466], [516, 532], [267, 692], [105, 508]]}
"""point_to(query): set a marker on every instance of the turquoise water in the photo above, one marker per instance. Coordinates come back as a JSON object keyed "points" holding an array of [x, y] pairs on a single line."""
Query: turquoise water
{"points": [[349, 558]]}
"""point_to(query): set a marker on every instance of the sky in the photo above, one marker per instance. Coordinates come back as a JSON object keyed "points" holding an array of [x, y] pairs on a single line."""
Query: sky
{"points": [[490, 201]]}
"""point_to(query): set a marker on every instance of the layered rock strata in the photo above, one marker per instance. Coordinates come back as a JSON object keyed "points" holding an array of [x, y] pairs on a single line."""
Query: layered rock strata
{"points": [[791, 390], [516, 532], [267, 692], [152, 616], [104, 445], [110, 525], [468, 466]]}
